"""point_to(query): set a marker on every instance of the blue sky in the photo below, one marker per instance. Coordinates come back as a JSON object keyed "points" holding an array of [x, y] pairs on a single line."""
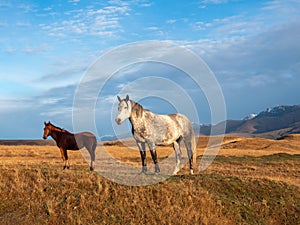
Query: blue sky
{"points": [[46, 47]]}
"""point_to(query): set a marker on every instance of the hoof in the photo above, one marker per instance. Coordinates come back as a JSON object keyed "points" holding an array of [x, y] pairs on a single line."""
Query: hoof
{"points": [[157, 170], [68, 167], [144, 169], [176, 171], [91, 169], [191, 171]]}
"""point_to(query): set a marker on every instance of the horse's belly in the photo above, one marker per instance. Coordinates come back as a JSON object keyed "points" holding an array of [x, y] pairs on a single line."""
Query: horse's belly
{"points": [[165, 140], [165, 134], [73, 147]]}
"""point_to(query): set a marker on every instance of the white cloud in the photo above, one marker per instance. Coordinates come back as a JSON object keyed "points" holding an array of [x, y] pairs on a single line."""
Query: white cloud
{"points": [[286, 7], [62, 73], [151, 28], [201, 25], [10, 50], [62, 112], [204, 3], [268, 57], [104, 22], [146, 4], [36, 50], [47, 9], [214, 1], [225, 27], [51, 101], [23, 24], [26, 8], [172, 21], [12, 104]]}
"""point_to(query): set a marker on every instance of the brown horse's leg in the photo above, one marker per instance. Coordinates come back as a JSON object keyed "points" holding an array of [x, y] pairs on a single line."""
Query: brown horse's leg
{"points": [[92, 150], [92, 155], [64, 156]]}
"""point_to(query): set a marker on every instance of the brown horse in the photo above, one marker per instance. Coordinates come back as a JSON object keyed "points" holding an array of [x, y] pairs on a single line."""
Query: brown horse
{"points": [[66, 140]]}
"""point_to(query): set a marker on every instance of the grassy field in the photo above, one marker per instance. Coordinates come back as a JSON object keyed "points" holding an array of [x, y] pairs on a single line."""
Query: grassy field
{"points": [[251, 181]]}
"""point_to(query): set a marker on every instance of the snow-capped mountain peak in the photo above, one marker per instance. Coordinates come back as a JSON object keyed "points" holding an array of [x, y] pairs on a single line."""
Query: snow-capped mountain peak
{"points": [[250, 116]]}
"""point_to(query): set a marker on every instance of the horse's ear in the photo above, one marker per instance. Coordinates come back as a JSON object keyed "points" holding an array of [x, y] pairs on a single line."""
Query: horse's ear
{"points": [[45, 123], [127, 98], [119, 98]]}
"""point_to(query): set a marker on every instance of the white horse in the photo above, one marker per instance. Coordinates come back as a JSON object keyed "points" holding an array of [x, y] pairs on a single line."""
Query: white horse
{"points": [[154, 129]]}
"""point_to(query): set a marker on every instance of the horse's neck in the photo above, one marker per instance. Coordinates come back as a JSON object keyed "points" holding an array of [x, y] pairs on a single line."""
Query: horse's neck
{"points": [[137, 114], [56, 135]]}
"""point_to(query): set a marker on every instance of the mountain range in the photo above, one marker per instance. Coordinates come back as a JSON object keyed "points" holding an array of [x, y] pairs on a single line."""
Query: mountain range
{"points": [[273, 123]]}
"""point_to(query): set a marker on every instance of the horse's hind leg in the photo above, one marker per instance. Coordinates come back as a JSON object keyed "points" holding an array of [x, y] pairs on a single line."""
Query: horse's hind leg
{"points": [[189, 149], [177, 150], [92, 154]]}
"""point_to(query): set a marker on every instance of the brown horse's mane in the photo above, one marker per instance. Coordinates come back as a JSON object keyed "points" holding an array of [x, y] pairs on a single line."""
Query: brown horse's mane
{"points": [[61, 129]]}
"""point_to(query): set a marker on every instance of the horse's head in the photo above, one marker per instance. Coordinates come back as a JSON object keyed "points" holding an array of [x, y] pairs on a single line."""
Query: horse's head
{"points": [[47, 129], [124, 110]]}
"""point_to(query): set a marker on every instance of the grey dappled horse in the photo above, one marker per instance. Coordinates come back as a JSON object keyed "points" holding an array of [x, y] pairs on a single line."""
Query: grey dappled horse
{"points": [[153, 129]]}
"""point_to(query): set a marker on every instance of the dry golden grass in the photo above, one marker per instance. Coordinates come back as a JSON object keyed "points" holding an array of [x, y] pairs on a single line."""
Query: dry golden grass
{"points": [[236, 147], [251, 181], [26, 155]]}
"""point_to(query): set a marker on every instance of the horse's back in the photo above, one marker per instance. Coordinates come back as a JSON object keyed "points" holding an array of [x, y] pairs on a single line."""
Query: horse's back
{"points": [[86, 134], [166, 129], [183, 123], [178, 120], [85, 139]]}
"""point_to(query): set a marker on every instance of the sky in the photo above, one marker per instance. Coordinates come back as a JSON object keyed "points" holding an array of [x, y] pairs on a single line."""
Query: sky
{"points": [[48, 47]]}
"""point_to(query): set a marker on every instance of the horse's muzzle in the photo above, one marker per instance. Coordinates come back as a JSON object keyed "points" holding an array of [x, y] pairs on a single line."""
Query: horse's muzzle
{"points": [[118, 121]]}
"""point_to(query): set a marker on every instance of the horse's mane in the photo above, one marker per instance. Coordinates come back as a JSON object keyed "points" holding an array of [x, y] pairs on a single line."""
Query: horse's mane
{"points": [[61, 129], [137, 109]]}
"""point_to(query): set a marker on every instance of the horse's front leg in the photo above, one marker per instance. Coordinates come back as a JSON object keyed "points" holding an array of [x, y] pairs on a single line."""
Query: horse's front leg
{"points": [[142, 148], [64, 156], [154, 157]]}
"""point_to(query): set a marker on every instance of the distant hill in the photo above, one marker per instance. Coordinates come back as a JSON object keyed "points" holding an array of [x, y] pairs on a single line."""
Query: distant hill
{"points": [[28, 142], [272, 123]]}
